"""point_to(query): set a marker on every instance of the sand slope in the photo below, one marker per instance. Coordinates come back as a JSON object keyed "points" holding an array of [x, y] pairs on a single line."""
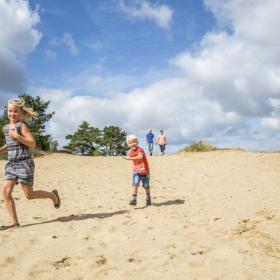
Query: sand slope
{"points": [[214, 216]]}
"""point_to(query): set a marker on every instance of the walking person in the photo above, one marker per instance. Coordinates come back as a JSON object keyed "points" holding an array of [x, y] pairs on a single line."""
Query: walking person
{"points": [[150, 141], [162, 142]]}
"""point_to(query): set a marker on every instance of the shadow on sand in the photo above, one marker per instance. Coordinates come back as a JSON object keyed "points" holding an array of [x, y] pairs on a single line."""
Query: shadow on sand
{"points": [[79, 217], [165, 203], [170, 202]]}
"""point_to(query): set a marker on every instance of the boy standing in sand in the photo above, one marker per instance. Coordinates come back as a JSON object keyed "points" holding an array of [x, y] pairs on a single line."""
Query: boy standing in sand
{"points": [[141, 171]]}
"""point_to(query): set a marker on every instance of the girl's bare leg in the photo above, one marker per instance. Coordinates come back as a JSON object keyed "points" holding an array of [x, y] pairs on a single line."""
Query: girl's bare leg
{"points": [[31, 194], [8, 187]]}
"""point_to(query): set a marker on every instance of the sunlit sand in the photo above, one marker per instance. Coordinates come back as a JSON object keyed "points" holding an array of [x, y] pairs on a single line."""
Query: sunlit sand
{"points": [[215, 215]]}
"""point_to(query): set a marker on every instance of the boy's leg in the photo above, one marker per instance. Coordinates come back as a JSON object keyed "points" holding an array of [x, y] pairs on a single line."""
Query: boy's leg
{"points": [[8, 187], [146, 185], [148, 197], [135, 185], [133, 200]]}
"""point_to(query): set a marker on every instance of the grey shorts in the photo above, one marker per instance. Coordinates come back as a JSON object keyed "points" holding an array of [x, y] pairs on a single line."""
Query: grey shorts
{"points": [[21, 170]]}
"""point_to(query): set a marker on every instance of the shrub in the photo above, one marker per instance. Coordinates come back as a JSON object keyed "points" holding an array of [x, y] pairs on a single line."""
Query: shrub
{"points": [[199, 147]]}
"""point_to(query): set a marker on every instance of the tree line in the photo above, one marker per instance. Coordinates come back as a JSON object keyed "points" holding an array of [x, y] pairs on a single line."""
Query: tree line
{"points": [[86, 140]]}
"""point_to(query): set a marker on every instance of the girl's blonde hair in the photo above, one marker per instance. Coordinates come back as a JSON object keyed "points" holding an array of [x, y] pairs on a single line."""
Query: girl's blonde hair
{"points": [[131, 137], [27, 112]]}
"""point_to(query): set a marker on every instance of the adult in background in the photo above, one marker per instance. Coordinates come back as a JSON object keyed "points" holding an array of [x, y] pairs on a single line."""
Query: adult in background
{"points": [[150, 141], [162, 141]]}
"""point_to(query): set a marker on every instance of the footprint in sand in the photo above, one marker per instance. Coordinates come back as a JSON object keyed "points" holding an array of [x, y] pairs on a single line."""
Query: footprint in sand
{"points": [[245, 225], [172, 257], [37, 218], [258, 239], [112, 229], [64, 262], [102, 244], [101, 260], [37, 273], [91, 249], [10, 260], [126, 222], [268, 245]]}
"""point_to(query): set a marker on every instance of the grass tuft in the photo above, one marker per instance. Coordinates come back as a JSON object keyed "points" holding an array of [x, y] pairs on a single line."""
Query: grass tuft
{"points": [[199, 147]]}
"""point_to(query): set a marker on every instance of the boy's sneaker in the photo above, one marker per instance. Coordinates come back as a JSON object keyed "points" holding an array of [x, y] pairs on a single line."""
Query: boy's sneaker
{"points": [[133, 202], [148, 202]]}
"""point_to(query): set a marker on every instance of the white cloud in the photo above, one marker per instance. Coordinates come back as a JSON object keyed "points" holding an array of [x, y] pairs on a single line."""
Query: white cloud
{"points": [[271, 123], [161, 105], [160, 14], [95, 45], [69, 42], [58, 42], [11, 71], [238, 71], [18, 38], [51, 54]]}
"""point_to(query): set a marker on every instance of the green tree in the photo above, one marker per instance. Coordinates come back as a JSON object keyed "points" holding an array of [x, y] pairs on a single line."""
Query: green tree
{"points": [[2, 139], [114, 141], [38, 125], [85, 140], [53, 144]]}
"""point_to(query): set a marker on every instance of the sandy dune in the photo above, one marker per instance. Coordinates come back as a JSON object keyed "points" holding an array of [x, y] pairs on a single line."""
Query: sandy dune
{"points": [[214, 216]]}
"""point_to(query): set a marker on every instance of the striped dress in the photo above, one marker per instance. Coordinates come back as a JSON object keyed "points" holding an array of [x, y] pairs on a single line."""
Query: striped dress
{"points": [[20, 165]]}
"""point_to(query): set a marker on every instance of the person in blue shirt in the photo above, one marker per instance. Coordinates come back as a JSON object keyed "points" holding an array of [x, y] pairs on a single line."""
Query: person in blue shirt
{"points": [[150, 141]]}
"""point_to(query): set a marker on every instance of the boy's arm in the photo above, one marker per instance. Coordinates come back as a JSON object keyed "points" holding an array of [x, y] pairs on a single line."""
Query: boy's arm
{"points": [[139, 156], [3, 149], [26, 138]]}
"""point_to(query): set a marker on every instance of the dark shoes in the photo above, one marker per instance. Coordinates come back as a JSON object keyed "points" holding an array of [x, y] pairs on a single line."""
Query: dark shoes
{"points": [[133, 202], [148, 202], [57, 205]]}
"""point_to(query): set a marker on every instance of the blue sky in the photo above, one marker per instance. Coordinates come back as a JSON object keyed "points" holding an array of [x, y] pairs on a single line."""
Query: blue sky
{"points": [[108, 41], [200, 70]]}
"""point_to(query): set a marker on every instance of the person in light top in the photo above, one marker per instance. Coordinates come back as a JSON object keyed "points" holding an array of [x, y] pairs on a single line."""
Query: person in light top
{"points": [[162, 142]]}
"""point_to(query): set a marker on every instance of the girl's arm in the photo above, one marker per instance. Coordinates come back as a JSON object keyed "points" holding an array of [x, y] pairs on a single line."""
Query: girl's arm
{"points": [[3, 149], [26, 138]]}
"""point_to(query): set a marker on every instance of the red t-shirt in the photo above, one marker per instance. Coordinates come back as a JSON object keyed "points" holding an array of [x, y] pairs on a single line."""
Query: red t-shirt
{"points": [[141, 166]]}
